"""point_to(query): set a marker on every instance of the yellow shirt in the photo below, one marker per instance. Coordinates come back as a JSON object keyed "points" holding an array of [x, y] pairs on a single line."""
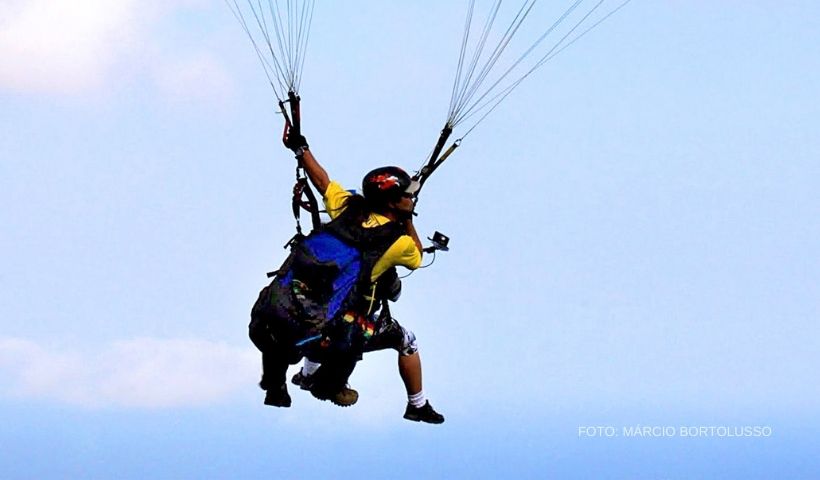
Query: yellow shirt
{"points": [[403, 252]]}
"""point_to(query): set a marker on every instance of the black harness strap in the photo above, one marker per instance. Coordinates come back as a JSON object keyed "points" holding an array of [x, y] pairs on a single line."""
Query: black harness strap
{"points": [[302, 189]]}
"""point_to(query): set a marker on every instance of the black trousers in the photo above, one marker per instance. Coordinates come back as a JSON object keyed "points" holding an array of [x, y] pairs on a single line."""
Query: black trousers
{"points": [[276, 355], [272, 330], [275, 329]]}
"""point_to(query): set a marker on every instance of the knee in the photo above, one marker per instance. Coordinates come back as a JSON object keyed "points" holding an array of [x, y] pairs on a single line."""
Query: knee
{"points": [[408, 344], [259, 334]]}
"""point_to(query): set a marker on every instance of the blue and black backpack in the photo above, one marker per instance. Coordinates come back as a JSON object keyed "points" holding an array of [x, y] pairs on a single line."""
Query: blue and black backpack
{"points": [[326, 279]]}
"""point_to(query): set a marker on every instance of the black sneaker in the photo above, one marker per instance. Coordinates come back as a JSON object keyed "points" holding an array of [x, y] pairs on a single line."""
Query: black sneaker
{"points": [[302, 381], [424, 414], [278, 397]]}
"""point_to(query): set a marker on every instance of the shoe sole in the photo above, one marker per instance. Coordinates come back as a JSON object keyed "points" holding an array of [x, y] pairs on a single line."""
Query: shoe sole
{"points": [[282, 403], [334, 402], [421, 420]]}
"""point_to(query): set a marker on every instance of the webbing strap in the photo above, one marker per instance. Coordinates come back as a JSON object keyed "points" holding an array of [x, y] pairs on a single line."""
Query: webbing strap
{"points": [[304, 198], [436, 158]]}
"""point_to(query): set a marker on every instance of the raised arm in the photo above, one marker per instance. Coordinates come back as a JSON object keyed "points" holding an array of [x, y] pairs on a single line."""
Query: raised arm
{"points": [[411, 231], [317, 175]]}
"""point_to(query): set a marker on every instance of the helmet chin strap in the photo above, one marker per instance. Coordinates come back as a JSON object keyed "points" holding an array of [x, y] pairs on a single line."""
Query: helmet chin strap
{"points": [[403, 214]]}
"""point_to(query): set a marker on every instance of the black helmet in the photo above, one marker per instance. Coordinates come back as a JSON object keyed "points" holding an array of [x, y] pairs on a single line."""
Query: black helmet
{"points": [[388, 184]]}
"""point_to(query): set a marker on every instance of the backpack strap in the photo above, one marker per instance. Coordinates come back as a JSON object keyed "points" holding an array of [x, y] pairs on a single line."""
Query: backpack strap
{"points": [[373, 243]]}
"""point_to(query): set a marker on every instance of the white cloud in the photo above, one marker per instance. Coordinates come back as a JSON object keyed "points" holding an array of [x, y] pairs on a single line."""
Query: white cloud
{"points": [[166, 373], [62, 45], [69, 47], [143, 372]]}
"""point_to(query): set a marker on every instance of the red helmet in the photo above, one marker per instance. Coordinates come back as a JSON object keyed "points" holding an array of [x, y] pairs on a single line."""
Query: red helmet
{"points": [[388, 184]]}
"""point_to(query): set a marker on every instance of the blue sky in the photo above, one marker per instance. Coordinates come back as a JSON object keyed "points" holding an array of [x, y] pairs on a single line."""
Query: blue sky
{"points": [[634, 242]]}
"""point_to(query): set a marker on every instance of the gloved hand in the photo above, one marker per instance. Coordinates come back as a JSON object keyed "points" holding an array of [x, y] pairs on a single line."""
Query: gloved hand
{"points": [[295, 142]]}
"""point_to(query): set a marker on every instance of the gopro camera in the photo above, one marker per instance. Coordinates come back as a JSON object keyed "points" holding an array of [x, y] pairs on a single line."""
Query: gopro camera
{"points": [[440, 241]]}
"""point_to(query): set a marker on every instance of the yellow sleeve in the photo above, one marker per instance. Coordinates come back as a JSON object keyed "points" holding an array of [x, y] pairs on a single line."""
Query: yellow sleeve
{"points": [[335, 197], [403, 253]]}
